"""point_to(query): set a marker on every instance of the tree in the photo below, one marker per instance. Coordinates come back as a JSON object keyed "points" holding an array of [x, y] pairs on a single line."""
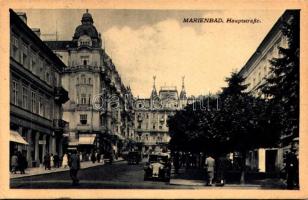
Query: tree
{"points": [[282, 86]]}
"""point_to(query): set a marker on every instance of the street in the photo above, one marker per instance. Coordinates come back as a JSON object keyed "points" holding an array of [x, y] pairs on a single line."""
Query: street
{"points": [[118, 175]]}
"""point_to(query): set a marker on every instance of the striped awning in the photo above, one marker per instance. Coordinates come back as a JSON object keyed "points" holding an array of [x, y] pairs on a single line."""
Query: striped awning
{"points": [[15, 137]]}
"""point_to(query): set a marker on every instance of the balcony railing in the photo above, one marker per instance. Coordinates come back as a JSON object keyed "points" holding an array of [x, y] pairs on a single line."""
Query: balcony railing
{"points": [[61, 95]]}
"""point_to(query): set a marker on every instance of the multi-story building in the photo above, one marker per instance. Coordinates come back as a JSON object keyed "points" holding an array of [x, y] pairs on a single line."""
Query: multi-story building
{"points": [[36, 94], [99, 111], [255, 71], [151, 115]]}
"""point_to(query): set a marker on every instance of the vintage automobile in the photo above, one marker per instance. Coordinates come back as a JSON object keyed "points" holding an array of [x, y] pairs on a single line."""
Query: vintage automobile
{"points": [[134, 157], [158, 167]]}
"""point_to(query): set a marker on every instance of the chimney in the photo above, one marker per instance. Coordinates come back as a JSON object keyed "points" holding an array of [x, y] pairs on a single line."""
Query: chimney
{"points": [[22, 16], [37, 31]]}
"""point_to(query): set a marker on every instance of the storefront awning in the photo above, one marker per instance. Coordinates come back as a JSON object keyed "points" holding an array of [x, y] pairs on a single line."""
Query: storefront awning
{"points": [[15, 137], [86, 139]]}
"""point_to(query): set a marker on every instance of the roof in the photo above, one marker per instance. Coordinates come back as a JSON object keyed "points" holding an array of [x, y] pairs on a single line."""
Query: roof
{"points": [[265, 41], [15, 19], [59, 45]]}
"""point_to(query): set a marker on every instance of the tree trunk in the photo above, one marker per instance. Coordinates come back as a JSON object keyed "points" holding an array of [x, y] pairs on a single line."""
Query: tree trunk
{"points": [[243, 168]]}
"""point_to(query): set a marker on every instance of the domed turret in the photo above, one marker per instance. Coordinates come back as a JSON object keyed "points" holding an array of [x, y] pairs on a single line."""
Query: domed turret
{"points": [[87, 28], [87, 18]]}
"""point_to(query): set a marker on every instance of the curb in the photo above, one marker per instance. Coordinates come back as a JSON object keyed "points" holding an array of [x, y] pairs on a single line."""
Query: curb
{"points": [[62, 170]]}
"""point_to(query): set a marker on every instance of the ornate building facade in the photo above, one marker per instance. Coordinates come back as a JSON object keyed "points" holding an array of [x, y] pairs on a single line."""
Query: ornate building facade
{"points": [[151, 115], [255, 71], [36, 94], [100, 108]]}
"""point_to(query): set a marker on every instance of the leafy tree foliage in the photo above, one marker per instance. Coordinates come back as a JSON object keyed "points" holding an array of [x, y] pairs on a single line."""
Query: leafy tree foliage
{"points": [[282, 86]]}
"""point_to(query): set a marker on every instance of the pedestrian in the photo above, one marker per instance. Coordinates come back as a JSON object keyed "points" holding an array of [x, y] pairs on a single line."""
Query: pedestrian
{"points": [[222, 165], [47, 161], [98, 157], [291, 169], [210, 164], [52, 163], [93, 157], [56, 160], [74, 164], [65, 161], [21, 162], [80, 157], [176, 162], [14, 163], [102, 159]]}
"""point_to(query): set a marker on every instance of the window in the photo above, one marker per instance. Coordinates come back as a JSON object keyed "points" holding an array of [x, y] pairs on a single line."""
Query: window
{"points": [[154, 126], [24, 97], [41, 106], [265, 70], [89, 99], [84, 60], [83, 99], [47, 77], [83, 119], [15, 93], [77, 80], [139, 125], [83, 79], [24, 55], [14, 47], [89, 80], [259, 76], [32, 64], [33, 102]]}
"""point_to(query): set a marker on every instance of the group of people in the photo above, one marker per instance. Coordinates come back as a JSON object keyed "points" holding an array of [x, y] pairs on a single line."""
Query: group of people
{"points": [[219, 166], [18, 163], [51, 160], [194, 160], [97, 157]]}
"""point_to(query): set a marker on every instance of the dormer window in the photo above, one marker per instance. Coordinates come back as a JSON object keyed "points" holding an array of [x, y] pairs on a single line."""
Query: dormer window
{"points": [[85, 60], [84, 41]]}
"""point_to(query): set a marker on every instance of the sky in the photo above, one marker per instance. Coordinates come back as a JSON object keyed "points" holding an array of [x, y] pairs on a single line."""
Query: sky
{"points": [[144, 43]]}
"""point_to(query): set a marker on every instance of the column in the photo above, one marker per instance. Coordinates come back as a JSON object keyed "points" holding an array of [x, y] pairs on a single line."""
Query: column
{"points": [[53, 145], [29, 147], [44, 147], [36, 147]]}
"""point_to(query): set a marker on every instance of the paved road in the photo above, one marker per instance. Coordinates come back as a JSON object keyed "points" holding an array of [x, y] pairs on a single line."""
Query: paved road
{"points": [[117, 175]]}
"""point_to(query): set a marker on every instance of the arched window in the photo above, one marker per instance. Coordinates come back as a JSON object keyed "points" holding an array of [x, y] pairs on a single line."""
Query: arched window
{"points": [[83, 79]]}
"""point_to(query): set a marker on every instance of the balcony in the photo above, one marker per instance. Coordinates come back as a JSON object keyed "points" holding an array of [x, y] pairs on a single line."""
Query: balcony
{"points": [[61, 95], [59, 125]]}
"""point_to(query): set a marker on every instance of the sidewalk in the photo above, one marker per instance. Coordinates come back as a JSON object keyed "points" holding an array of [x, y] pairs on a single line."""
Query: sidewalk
{"points": [[41, 170], [196, 177]]}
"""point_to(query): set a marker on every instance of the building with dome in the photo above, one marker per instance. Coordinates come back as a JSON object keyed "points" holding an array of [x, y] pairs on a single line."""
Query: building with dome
{"points": [[100, 108], [151, 115]]}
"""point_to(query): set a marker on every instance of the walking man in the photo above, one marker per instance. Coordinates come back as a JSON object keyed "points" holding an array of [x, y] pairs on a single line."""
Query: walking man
{"points": [[210, 164], [74, 164], [291, 169]]}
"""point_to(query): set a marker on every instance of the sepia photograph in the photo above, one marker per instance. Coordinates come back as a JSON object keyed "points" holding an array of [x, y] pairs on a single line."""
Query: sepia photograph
{"points": [[154, 99]]}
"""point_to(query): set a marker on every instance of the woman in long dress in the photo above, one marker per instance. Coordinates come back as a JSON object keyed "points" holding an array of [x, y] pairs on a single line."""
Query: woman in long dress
{"points": [[65, 161], [52, 163]]}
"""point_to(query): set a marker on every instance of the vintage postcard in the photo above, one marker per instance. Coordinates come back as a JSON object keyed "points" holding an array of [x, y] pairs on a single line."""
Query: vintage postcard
{"points": [[153, 99]]}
